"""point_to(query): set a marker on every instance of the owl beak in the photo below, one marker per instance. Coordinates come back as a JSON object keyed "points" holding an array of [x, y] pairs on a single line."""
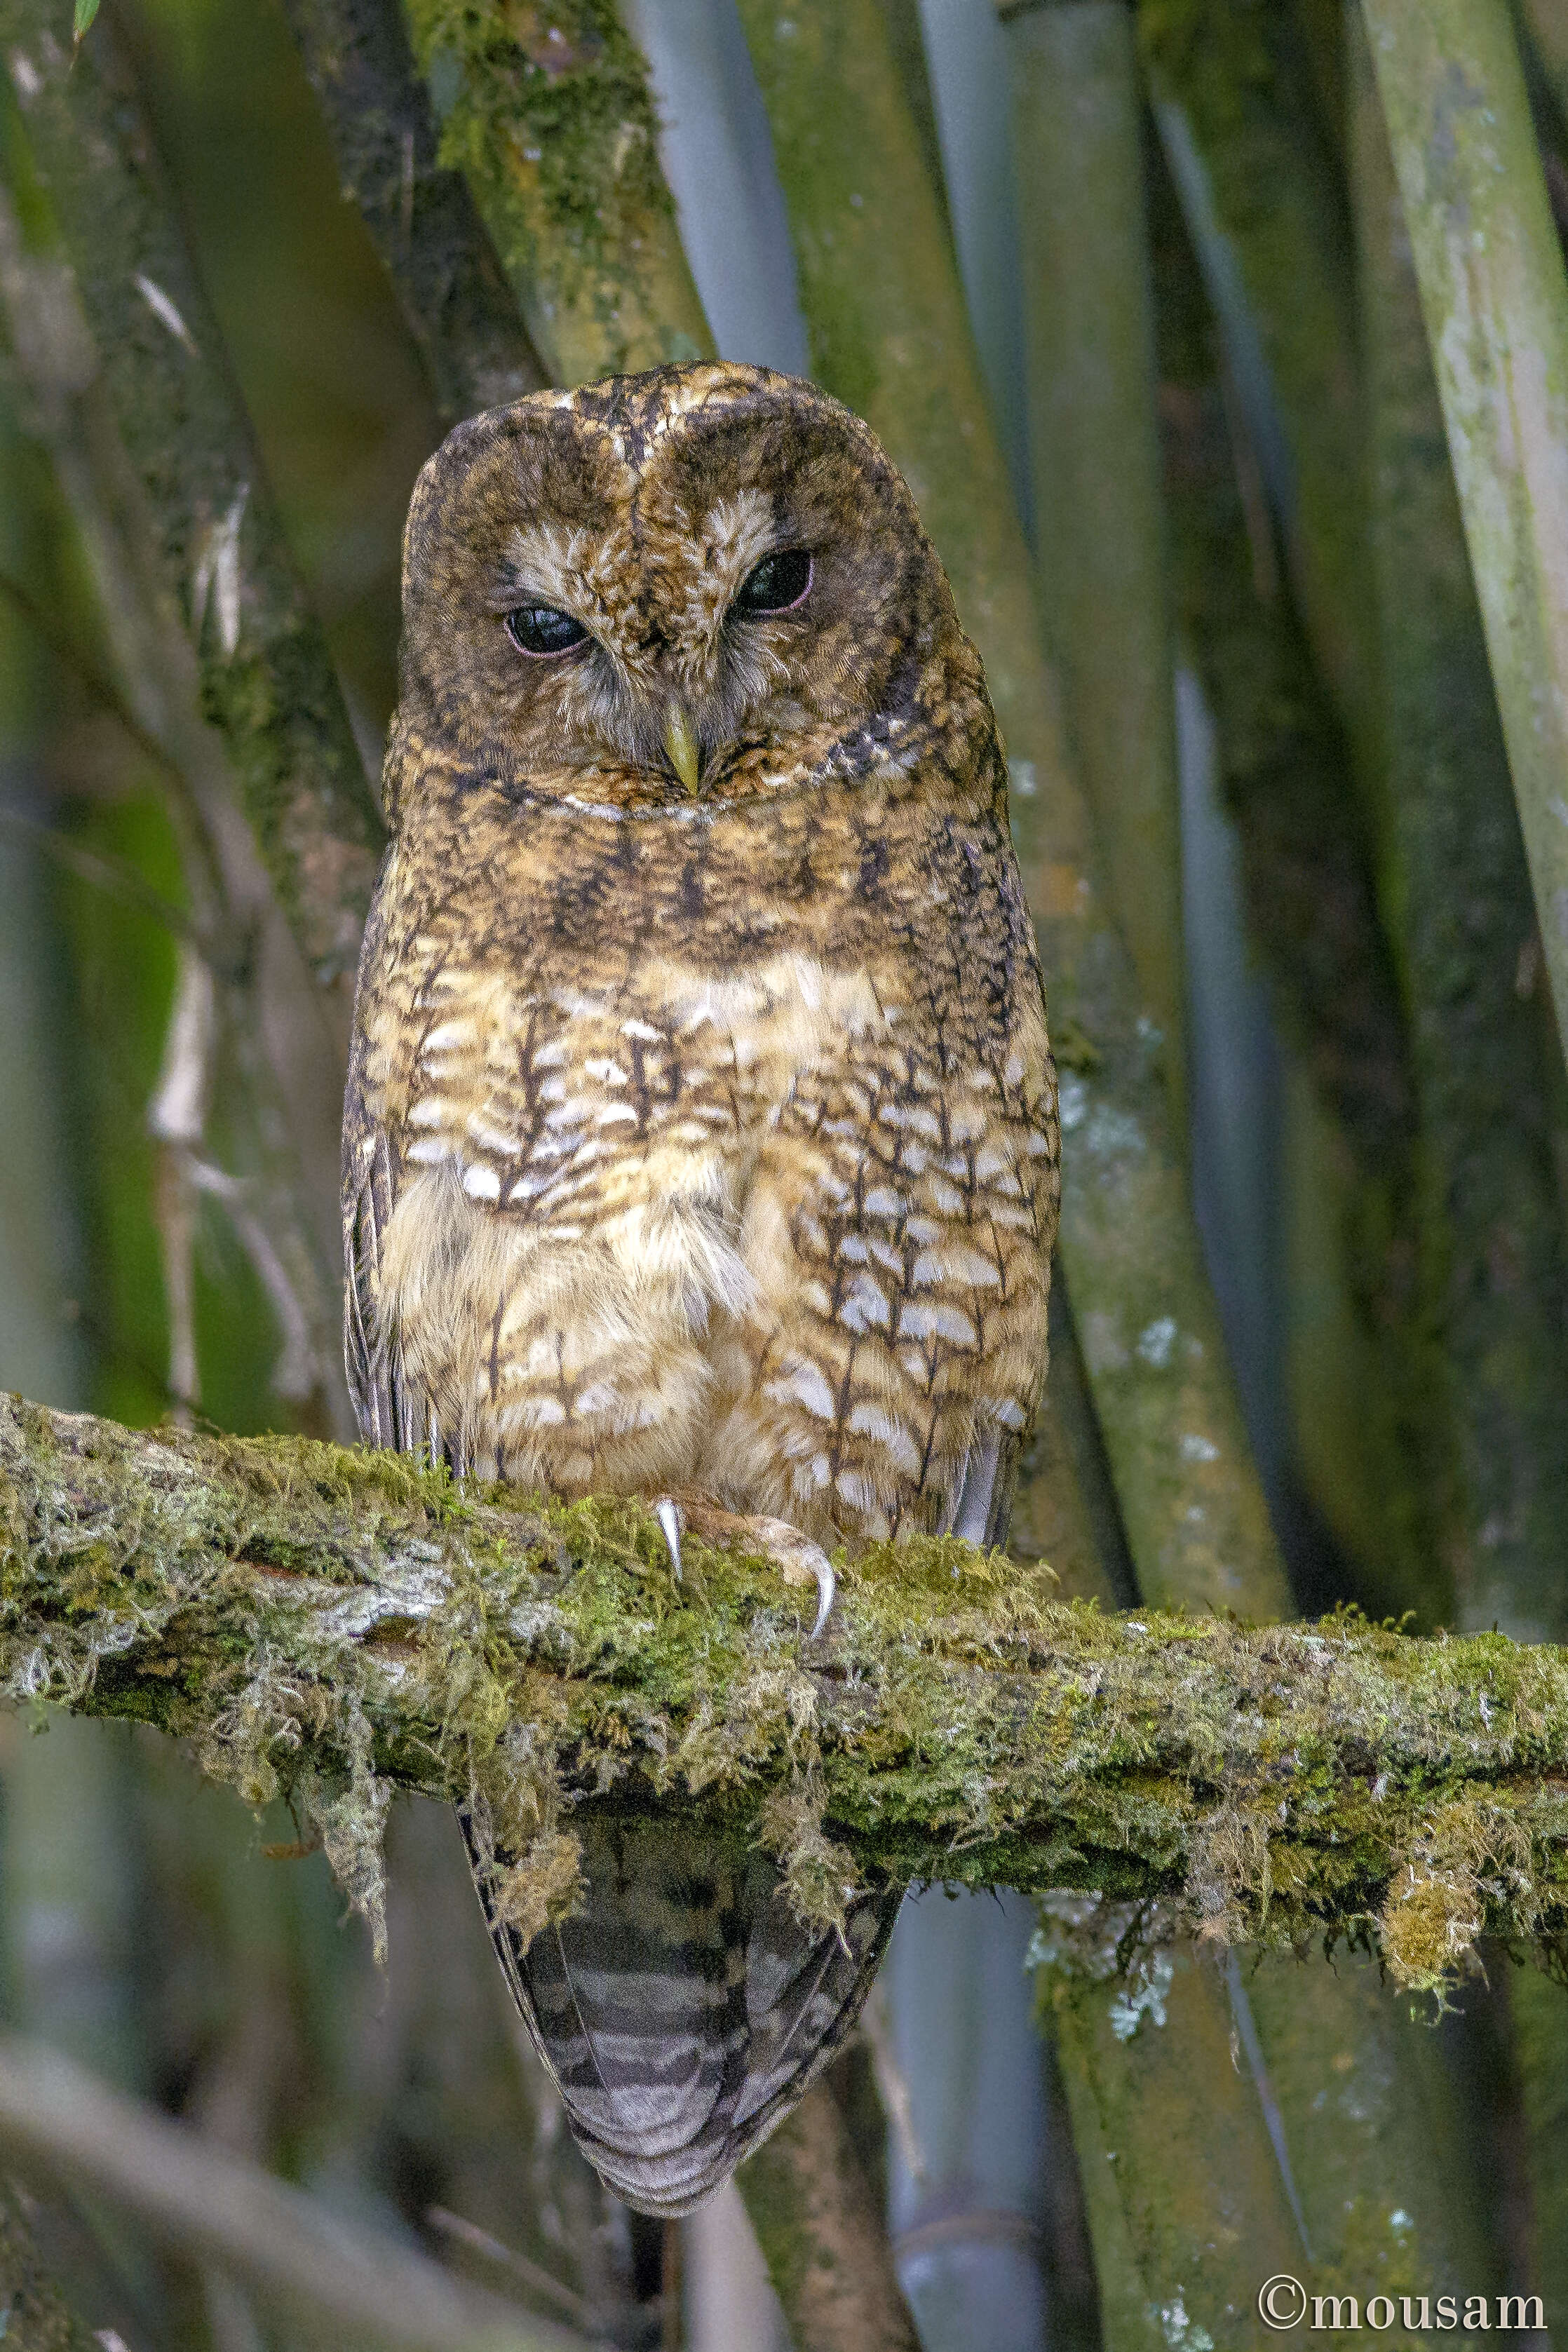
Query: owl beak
{"points": [[682, 750]]}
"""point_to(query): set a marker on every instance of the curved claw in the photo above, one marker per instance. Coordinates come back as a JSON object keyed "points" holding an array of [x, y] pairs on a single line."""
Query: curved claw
{"points": [[667, 1511], [822, 1569], [794, 1555]]}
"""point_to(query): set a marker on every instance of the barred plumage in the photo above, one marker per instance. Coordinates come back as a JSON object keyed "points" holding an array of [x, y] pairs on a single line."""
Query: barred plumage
{"points": [[702, 1125]]}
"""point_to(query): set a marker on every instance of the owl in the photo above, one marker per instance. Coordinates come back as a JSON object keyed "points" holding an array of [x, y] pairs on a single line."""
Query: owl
{"points": [[700, 1140]]}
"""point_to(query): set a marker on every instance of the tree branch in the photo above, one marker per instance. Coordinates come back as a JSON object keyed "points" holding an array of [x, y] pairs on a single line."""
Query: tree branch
{"points": [[331, 1623]]}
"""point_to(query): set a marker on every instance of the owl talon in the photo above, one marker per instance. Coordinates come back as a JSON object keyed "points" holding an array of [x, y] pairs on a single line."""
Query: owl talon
{"points": [[667, 1511]]}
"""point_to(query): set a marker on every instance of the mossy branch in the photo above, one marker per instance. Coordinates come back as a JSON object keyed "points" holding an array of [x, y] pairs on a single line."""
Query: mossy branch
{"points": [[330, 1623]]}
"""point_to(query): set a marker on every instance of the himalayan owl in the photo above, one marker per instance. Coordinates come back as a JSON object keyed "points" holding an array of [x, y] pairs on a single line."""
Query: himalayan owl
{"points": [[700, 1140]]}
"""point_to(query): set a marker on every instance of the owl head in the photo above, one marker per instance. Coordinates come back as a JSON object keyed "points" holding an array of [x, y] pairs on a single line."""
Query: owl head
{"points": [[704, 582]]}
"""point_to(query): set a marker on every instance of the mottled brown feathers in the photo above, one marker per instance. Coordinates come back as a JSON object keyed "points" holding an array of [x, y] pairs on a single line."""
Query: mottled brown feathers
{"points": [[697, 1141]]}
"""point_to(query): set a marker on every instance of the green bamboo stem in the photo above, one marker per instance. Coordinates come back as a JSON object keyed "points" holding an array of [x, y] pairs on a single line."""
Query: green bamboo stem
{"points": [[246, 652], [1461, 917], [213, 664], [1233, 95], [1288, 782], [1367, 2190], [888, 334], [1495, 299], [548, 116], [1491, 1232], [822, 2237], [1099, 533], [449, 284], [1541, 2058], [341, 1621]]}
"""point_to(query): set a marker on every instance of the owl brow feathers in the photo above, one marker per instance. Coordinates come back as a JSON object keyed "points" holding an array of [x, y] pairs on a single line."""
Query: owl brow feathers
{"points": [[551, 503]]}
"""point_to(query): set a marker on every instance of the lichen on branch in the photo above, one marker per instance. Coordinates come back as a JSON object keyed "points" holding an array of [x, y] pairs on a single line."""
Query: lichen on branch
{"points": [[332, 1624], [546, 109]]}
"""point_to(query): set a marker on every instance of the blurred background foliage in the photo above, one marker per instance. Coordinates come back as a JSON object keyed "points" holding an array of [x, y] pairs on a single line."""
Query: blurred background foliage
{"points": [[1131, 294]]}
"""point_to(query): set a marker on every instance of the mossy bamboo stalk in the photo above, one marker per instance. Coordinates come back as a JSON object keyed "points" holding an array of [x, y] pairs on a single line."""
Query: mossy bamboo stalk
{"points": [[449, 284], [220, 583], [1495, 299], [214, 660], [1233, 96], [1289, 783], [340, 1623], [1462, 914], [1346, 2163], [822, 2236], [1496, 1291], [888, 333], [1098, 528], [548, 115], [1286, 770], [1540, 2035]]}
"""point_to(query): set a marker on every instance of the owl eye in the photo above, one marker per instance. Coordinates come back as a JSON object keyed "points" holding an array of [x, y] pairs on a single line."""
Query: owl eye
{"points": [[779, 583], [544, 629]]}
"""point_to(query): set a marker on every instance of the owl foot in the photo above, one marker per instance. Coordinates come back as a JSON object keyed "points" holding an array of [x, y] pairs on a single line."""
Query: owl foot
{"points": [[797, 1557]]}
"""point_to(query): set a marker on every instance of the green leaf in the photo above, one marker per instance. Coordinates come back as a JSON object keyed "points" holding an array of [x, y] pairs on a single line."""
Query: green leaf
{"points": [[85, 10]]}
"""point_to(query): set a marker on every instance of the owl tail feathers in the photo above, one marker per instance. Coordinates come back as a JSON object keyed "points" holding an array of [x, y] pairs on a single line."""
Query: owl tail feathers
{"points": [[685, 2009]]}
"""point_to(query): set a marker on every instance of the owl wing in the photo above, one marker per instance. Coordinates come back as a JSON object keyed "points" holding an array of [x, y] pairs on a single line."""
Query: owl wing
{"points": [[684, 2009], [369, 1189]]}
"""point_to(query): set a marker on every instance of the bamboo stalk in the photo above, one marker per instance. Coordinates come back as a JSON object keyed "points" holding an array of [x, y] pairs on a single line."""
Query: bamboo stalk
{"points": [[1495, 1283], [1233, 97], [339, 1621], [37, 2317], [548, 116], [220, 583], [448, 281], [822, 2235], [1286, 775], [197, 2194], [1491, 1232], [1495, 299], [1099, 532], [888, 334]]}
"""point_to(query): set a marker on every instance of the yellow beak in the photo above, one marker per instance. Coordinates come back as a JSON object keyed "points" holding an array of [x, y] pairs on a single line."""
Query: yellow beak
{"points": [[680, 745]]}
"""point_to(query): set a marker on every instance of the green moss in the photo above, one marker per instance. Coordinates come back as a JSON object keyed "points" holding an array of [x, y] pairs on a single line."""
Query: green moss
{"points": [[547, 110], [580, 111], [328, 1624]]}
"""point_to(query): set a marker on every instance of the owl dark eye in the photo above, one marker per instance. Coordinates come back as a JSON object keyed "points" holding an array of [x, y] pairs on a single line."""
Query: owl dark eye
{"points": [[779, 582], [544, 629]]}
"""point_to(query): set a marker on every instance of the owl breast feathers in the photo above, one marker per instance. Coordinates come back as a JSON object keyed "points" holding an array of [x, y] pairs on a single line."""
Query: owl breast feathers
{"points": [[701, 1129]]}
